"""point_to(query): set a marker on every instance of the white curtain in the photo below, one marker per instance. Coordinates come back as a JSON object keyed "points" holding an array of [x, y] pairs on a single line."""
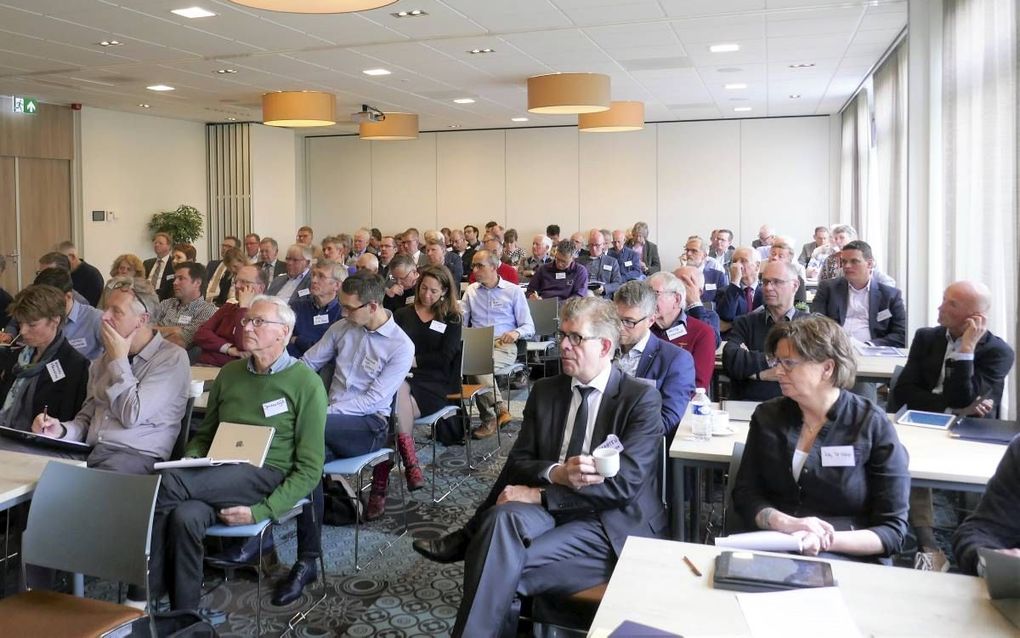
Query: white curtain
{"points": [[856, 142], [885, 219]]}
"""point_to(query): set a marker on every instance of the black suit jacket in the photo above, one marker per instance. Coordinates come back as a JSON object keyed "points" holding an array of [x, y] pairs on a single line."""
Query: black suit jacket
{"points": [[62, 398], [627, 504], [964, 381], [165, 289], [833, 298]]}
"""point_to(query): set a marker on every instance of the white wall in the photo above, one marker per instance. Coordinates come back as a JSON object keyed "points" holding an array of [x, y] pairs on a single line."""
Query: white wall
{"points": [[274, 168], [680, 177], [136, 166]]}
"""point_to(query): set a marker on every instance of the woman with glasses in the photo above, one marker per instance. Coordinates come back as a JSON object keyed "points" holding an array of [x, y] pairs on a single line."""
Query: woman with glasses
{"points": [[221, 339], [433, 324], [41, 371], [821, 463], [127, 265]]}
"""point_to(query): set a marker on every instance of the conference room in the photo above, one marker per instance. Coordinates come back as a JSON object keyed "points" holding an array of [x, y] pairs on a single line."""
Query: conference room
{"points": [[283, 147]]}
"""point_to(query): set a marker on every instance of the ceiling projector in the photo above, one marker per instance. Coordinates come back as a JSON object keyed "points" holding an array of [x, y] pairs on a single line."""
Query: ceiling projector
{"points": [[367, 114]]}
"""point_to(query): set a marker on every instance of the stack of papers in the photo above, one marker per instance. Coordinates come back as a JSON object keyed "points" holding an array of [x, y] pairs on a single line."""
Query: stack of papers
{"points": [[798, 612], [764, 541]]}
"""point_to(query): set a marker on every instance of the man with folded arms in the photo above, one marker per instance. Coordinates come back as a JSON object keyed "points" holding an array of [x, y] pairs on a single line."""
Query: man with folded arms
{"points": [[269, 389], [318, 311], [672, 324], [551, 523], [562, 278], [179, 317], [137, 391], [601, 266], [995, 524]]}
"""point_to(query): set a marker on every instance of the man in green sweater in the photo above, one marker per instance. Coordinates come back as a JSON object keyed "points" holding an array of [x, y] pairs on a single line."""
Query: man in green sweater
{"points": [[270, 389]]}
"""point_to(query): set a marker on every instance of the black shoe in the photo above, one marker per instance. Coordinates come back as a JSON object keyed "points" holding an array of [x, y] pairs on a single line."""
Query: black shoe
{"points": [[447, 549], [246, 553], [289, 590]]}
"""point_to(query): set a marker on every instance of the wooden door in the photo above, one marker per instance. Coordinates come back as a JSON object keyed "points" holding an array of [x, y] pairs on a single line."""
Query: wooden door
{"points": [[44, 194], [8, 225]]}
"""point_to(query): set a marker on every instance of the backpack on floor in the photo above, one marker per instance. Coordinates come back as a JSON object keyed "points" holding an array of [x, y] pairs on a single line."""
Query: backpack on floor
{"points": [[341, 504], [450, 431]]}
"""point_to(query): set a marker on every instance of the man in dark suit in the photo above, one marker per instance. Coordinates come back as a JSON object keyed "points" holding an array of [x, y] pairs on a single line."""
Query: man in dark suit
{"points": [[715, 278], [738, 298], [821, 238], [644, 356], [268, 263], [158, 270], [295, 283], [630, 262], [649, 252], [870, 312], [216, 270], [694, 283], [552, 524]]}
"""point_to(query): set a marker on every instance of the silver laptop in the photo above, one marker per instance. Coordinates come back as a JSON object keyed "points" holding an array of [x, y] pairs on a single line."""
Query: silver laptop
{"points": [[234, 443], [1002, 575]]}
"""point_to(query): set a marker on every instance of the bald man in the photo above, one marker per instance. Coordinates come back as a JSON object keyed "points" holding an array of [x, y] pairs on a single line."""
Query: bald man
{"points": [[693, 280]]}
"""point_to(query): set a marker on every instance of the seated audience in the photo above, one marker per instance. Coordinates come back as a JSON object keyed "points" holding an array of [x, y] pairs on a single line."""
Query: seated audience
{"points": [[268, 262], [472, 237], [995, 524], [711, 270], [765, 235], [127, 265], [42, 372], [60, 261], [820, 240], [400, 286], [461, 249], [359, 246], [601, 267], [369, 262], [562, 278], [672, 324], [494, 244], [410, 245], [221, 273], [647, 252], [513, 254], [738, 298], [540, 247], [82, 325], [551, 523], [722, 247], [630, 261], [853, 506], [578, 240], [294, 284], [182, 253], [305, 236], [387, 251], [137, 391], [694, 285], [552, 231], [825, 260], [192, 499], [251, 248], [88, 281], [782, 250], [179, 317], [433, 324], [752, 376], [157, 269], [316, 312], [437, 255], [644, 356], [334, 249], [221, 338]]}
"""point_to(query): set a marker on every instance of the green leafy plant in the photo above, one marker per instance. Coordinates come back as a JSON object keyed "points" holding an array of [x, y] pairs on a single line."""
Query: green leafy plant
{"points": [[184, 224]]}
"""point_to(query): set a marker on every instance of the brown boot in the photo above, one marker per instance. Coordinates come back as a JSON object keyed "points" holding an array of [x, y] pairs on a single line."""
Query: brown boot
{"points": [[377, 495], [412, 471]]}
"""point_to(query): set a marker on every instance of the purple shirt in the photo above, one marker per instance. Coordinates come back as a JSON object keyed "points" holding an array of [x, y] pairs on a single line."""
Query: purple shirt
{"points": [[551, 282]]}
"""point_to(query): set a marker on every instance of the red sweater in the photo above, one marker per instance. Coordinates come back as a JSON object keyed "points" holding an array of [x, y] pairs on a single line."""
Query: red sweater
{"points": [[506, 271], [698, 338], [222, 328]]}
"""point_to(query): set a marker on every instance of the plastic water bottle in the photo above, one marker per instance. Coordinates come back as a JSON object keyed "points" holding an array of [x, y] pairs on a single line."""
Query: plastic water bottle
{"points": [[701, 415]]}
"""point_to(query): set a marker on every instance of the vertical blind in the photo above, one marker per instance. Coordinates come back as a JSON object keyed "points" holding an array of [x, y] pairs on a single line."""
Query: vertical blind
{"points": [[228, 170]]}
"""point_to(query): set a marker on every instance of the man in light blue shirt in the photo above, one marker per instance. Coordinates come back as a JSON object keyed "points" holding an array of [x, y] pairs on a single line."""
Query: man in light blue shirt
{"points": [[83, 324], [493, 301]]}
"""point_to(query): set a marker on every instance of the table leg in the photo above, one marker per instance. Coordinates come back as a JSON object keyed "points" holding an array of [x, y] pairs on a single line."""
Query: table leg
{"points": [[696, 506], [677, 510]]}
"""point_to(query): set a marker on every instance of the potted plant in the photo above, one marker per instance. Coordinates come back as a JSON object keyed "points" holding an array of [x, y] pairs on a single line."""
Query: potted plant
{"points": [[183, 224]]}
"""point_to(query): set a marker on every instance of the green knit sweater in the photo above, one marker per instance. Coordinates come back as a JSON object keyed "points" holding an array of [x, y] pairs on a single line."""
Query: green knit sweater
{"points": [[298, 446]]}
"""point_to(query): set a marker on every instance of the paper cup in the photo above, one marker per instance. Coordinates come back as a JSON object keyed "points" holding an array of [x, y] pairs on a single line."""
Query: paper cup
{"points": [[197, 388], [607, 462], [721, 421]]}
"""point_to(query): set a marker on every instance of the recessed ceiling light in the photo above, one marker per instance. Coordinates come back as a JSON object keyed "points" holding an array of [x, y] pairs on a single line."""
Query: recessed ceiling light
{"points": [[477, 51], [742, 109], [518, 119], [225, 71], [724, 48], [231, 119], [413, 13], [160, 87], [193, 12], [464, 100], [376, 72], [110, 43], [735, 86], [454, 126], [144, 106], [795, 96], [802, 65], [729, 69]]}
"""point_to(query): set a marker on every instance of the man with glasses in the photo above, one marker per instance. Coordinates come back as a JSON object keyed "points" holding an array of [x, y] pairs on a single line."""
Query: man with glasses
{"points": [[602, 268], [294, 284], [739, 297], [672, 324], [314, 314], [642, 355], [387, 251], [752, 376], [221, 338], [551, 523], [711, 270], [494, 244], [178, 318], [722, 248], [562, 278], [782, 250], [461, 249], [630, 262], [251, 247], [137, 390], [305, 236], [403, 277], [494, 301], [410, 245]]}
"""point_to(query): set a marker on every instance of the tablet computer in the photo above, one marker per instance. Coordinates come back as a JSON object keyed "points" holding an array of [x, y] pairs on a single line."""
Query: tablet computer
{"points": [[922, 419], [45, 441], [749, 572]]}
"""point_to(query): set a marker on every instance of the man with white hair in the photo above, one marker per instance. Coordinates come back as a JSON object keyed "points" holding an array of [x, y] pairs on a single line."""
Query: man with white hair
{"points": [[601, 267], [739, 297], [694, 285], [765, 235], [540, 246], [673, 325], [296, 282], [712, 270]]}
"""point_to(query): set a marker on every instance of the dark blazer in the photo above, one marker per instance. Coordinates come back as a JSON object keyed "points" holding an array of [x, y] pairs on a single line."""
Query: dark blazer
{"points": [[672, 369], [709, 316], [627, 504], [833, 298], [88, 281], [278, 283], [730, 302], [628, 260], [650, 255], [165, 290], [62, 398], [715, 282], [996, 521], [279, 268], [455, 265], [742, 365], [964, 381]]}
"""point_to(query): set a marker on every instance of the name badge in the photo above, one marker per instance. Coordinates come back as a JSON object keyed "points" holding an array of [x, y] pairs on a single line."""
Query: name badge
{"points": [[648, 382], [272, 408], [409, 300], [438, 326], [303, 292], [561, 275], [628, 263], [709, 287], [607, 267], [371, 365], [495, 303], [169, 277], [676, 332], [79, 344], [612, 442], [885, 314], [838, 456], [185, 319], [56, 371], [318, 320]]}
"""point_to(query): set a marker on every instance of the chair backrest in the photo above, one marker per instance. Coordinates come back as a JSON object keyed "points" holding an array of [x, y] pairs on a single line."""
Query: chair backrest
{"points": [[731, 519], [477, 355], [93, 522], [890, 401], [545, 315], [185, 433]]}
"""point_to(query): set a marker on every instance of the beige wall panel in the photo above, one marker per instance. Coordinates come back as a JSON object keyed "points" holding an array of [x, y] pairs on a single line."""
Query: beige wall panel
{"points": [[542, 181], [471, 178], [617, 177], [340, 184], [44, 192], [404, 184]]}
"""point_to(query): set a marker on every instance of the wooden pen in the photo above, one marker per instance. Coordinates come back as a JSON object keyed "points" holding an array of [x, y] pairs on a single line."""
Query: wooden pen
{"points": [[694, 568]]}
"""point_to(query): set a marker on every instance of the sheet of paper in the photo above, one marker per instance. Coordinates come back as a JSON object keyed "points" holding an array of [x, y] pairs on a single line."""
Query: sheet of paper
{"points": [[799, 612], [764, 541]]}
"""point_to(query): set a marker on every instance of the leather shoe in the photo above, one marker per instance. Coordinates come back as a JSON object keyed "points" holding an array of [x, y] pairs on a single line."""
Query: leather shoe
{"points": [[503, 418], [246, 553], [289, 590], [485, 430], [446, 549]]}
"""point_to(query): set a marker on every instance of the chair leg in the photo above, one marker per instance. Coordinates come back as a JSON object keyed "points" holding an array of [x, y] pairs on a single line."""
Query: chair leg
{"points": [[357, 519], [258, 586]]}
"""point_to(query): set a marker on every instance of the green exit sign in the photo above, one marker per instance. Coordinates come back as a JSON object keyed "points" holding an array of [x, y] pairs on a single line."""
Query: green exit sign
{"points": [[25, 105]]}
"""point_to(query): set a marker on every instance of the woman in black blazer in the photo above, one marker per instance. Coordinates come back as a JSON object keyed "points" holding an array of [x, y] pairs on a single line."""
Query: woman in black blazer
{"points": [[821, 463], [41, 371]]}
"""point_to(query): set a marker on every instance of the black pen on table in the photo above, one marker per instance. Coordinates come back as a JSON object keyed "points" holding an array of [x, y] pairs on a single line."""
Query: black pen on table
{"points": [[694, 568]]}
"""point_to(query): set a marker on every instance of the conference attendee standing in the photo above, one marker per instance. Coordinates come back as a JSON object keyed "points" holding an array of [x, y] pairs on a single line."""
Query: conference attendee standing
{"points": [[158, 269]]}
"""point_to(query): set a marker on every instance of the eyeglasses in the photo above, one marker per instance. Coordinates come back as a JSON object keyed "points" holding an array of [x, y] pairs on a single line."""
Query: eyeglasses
{"points": [[787, 364], [128, 285], [296, 259], [258, 322], [774, 282], [349, 309], [630, 323], [574, 338]]}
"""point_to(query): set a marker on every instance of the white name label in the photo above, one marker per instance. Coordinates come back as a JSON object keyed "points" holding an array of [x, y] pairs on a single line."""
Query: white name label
{"points": [[169, 277], [185, 319], [709, 286], [409, 300], [628, 263], [885, 314], [79, 344], [561, 275], [272, 408], [438, 326], [303, 292], [676, 332], [56, 371], [838, 456], [607, 267], [318, 320]]}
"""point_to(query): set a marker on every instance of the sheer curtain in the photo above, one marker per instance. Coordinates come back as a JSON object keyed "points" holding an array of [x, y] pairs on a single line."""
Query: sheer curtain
{"points": [[854, 167], [885, 219]]}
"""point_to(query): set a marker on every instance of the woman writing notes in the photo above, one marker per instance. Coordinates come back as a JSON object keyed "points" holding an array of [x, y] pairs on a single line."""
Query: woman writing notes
{"points": [[821, 463]]}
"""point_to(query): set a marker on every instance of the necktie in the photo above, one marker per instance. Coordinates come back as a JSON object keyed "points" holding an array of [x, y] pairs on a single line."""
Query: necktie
{"points": [[749, 297], [154, 275], [580, 423]]}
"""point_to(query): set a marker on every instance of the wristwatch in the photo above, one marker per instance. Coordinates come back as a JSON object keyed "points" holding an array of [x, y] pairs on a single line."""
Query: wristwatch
{"points": [[544, 497]]}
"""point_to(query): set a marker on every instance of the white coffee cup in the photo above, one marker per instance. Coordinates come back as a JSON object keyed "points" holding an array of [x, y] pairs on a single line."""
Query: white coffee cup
{"points": [[197, 388], [607, 461], [721, 421]]}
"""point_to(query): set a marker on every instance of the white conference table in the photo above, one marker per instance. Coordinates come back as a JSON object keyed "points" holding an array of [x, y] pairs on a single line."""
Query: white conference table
{"points": [[936, 460], [652, 585], [869, 368], [19, 474], [206, 374]]}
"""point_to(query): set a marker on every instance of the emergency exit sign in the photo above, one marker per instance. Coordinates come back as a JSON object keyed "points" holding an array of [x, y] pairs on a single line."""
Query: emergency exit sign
{"points": [[25, 105]]}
